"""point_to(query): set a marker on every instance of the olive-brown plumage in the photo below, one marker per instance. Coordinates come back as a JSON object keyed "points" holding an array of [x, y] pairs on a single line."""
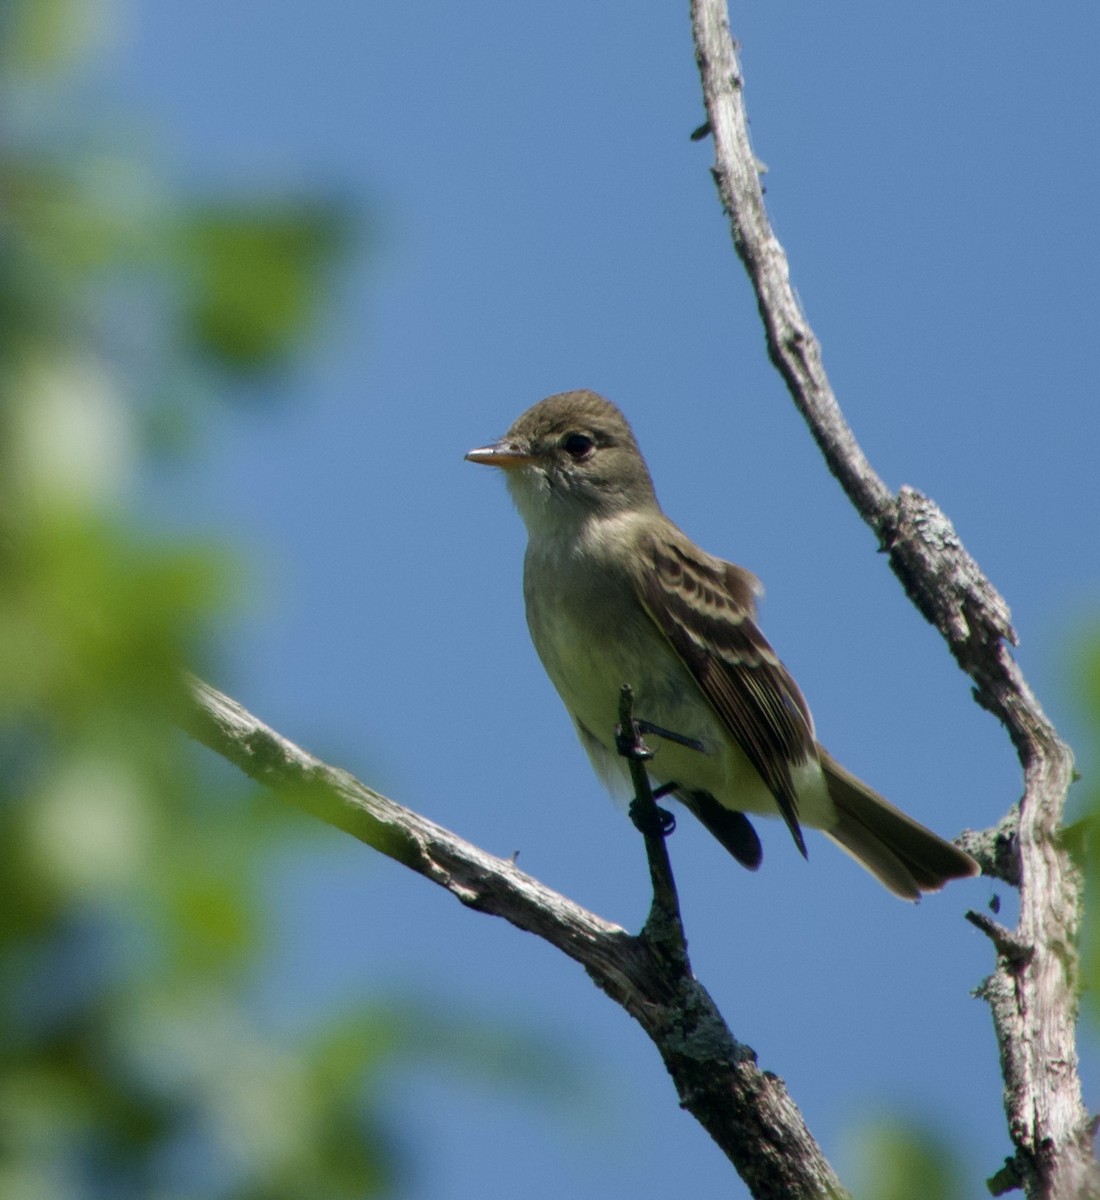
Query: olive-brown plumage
{"points": [[616, 594]]}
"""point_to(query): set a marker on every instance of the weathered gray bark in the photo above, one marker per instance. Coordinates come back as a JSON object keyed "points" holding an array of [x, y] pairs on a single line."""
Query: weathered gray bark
{"points": [[1033, 990], [746, 1110]]}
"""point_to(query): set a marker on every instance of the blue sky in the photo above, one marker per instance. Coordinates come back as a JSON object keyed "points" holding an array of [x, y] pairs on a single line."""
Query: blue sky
{"points": [[536, 219]]}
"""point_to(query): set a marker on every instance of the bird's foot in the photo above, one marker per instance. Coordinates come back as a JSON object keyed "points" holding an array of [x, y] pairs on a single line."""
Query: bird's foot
{"points": [[633, 745], [630, 743], [651, 819]]}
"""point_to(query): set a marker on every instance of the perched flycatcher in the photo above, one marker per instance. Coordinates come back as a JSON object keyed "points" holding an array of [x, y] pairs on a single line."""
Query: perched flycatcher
{"points": [[617, 594]]}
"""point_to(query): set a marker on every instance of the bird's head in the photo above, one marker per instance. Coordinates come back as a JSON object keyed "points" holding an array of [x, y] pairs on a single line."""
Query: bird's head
{"points": [[568, 459]]}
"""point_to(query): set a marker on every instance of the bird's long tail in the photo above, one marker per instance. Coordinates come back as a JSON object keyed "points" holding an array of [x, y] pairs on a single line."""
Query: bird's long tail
{"points": [[898, 851]]}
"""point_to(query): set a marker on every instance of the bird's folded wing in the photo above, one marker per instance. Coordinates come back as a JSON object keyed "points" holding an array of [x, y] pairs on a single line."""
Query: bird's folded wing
{"points": [[706, 609]]}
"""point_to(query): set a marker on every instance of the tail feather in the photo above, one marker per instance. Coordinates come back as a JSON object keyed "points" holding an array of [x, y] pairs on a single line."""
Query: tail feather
{"points": [[898, 851]]}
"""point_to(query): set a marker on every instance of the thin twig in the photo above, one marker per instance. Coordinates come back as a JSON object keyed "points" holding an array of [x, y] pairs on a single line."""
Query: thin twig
{"points": [[664, 927]]}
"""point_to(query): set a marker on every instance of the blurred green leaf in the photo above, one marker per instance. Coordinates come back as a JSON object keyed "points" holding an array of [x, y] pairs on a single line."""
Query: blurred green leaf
{"points": [[47, 34], [410, 1029], [257, 275], [1088, 658], [898, 1159], [132, 917], [1085, 834]]}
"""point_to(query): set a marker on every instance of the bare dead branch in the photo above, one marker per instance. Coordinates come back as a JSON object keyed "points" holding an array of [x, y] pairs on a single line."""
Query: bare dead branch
{"points": [[1033, 996], [745, 1110]]}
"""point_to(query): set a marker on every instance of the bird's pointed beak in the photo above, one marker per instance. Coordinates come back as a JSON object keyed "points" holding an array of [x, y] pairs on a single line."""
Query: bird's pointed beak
{"points": [[501, 454]]}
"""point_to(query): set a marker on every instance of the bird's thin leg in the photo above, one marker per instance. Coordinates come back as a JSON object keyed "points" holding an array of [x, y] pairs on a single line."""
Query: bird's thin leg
{"points": [[681, 739], [648, 817], [630, 743]]}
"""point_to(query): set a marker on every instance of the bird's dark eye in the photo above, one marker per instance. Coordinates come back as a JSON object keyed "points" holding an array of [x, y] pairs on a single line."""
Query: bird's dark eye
{"points": [[578, 446]]}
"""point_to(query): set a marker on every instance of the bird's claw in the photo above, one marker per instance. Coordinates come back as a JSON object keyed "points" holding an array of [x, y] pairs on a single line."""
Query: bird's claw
{"points": [[652, 820], [631, 744]]}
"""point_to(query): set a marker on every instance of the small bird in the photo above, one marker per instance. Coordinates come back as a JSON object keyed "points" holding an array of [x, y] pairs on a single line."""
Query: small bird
{"points": [[617, 594]]}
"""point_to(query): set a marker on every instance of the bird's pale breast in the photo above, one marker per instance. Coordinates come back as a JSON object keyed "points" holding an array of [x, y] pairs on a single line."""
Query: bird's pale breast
{"points": [[593, 635]]}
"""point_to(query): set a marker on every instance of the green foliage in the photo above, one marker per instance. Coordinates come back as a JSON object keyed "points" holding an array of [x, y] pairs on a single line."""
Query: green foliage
{"points": [[129, 920], [1084, 836], [40, 34], [898, 1159], [250, 277], [130, 923]]}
